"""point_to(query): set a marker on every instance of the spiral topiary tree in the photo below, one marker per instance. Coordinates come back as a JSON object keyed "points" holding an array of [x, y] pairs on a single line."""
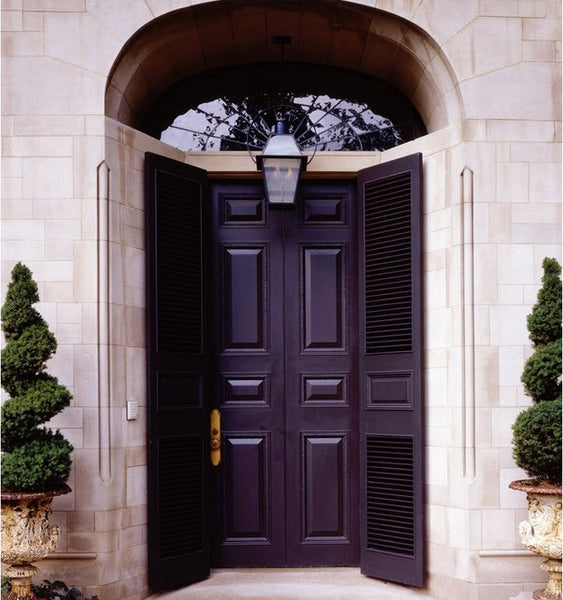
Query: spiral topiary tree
{"points": [[34, 458], [536, 438]]}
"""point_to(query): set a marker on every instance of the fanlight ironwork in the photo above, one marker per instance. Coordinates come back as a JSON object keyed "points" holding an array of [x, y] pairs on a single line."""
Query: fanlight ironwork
{"points": [[318, 122]]}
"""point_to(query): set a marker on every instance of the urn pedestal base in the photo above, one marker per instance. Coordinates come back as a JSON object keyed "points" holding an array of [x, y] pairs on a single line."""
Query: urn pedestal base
{"points": [[553, 589], [20, 579]]}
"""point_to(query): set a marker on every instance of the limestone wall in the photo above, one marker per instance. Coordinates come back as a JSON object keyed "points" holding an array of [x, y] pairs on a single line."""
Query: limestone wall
{"points": [[72, 210]]}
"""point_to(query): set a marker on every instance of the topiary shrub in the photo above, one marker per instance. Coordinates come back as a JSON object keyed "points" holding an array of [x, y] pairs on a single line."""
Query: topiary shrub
{"points": [[538, 435], [536, 440], [542, 372], [544, 322], [34, 458]]}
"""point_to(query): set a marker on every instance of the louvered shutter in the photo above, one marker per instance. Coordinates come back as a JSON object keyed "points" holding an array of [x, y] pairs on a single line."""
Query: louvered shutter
{"points": [[176, 374], [391, 432]]}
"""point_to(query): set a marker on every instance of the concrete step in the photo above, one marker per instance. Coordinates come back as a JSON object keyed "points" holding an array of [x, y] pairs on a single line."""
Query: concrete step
{"points": [[292, 584]]}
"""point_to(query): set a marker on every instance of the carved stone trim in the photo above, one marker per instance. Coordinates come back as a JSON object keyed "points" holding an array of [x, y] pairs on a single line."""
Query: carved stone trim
{"points": [[467, 290], [534, 487]]}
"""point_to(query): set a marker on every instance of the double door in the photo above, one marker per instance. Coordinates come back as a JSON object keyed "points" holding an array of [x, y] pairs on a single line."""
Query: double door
{"points": [[284, 375], [252, 310]]}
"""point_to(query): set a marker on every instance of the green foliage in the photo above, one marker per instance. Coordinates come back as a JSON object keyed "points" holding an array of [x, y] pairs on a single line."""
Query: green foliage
{"points": [[34, 458], [24, 357], [36, 404], [542, 372], [537, 441], [18, 313], [52, 590], [544, 322], [41, 464]]}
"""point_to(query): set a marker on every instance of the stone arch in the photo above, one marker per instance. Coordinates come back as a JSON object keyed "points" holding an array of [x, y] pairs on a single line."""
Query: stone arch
{"points": [[220, 34]]}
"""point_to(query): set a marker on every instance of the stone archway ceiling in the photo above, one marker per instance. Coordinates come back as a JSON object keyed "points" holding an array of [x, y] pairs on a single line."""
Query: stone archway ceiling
{"points": [[219, 35]]}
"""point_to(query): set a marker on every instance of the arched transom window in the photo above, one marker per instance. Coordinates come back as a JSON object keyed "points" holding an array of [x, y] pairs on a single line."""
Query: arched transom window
{"points": [[325, 108]]}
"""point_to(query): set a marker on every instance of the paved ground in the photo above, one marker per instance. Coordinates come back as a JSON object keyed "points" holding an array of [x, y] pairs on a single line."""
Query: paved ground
{"points": [[292, 584]]}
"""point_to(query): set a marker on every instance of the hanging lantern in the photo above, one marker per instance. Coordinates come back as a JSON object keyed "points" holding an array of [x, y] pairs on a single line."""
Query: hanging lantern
{"points": [[281, 162]]}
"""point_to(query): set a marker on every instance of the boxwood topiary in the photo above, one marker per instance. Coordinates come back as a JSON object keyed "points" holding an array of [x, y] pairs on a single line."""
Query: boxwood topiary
{"points": [[544, 322], [536, 437], [542, 372], [34, 459]]}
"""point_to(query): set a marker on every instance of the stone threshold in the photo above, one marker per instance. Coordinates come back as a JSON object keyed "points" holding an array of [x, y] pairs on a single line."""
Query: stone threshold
{"points": [[340, 583]]}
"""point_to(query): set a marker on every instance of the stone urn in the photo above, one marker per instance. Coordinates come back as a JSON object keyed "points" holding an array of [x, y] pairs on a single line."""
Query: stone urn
{"points": [[26, 536], [542, 532]]}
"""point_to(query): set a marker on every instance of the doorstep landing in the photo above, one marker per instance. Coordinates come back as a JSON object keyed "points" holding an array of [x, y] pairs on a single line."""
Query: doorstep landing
{"points": [[340, 583]]}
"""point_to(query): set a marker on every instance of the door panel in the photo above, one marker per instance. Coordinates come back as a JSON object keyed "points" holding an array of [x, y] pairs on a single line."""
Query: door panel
{"points": [[243, 287], [324, 487], [323, 297], [246, 467]]}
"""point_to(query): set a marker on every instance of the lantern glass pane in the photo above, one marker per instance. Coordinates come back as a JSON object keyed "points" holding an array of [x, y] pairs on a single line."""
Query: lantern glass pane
{"points": [[280, 179]]}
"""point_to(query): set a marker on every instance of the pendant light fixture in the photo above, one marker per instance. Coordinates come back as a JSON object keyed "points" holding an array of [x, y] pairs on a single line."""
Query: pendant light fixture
{"points": [[281, 163]]}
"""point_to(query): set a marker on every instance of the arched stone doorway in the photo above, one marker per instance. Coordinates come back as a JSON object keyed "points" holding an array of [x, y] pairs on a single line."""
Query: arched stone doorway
{"points": [[215, 35], [174, 51]]}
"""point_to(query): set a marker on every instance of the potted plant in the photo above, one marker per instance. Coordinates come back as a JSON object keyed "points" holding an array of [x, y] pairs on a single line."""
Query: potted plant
{"points": [[537, 432], [36, 461]]}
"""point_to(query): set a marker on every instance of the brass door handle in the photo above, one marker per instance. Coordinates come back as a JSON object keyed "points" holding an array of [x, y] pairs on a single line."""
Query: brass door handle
{"points": [[215, 437]]}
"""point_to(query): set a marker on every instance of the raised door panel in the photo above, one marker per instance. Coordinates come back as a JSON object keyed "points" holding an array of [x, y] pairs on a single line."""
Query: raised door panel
{"points": [[247, 511], [250, 390], [244, 289], [323, 298], [325, 490]]}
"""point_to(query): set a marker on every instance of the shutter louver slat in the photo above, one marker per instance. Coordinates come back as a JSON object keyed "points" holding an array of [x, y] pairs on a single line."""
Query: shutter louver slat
{"points": [[178, 280], [180, 498], [390, 492], [388, 275]]}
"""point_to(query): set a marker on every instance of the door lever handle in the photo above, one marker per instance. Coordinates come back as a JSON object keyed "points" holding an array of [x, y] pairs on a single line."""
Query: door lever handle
{"points": [[215, 437]]}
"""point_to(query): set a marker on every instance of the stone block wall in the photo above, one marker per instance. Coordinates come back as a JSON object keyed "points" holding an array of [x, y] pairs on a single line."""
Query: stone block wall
{"points": [[73, 211]]}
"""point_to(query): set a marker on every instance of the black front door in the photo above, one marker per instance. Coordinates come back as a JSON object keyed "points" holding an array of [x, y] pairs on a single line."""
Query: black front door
{"points": [[284, 376], [254, 312]]}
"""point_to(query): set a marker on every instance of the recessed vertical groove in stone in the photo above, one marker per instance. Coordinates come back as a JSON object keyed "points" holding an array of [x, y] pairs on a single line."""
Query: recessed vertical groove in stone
{"points": [[468, 323], [103, 333]]}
